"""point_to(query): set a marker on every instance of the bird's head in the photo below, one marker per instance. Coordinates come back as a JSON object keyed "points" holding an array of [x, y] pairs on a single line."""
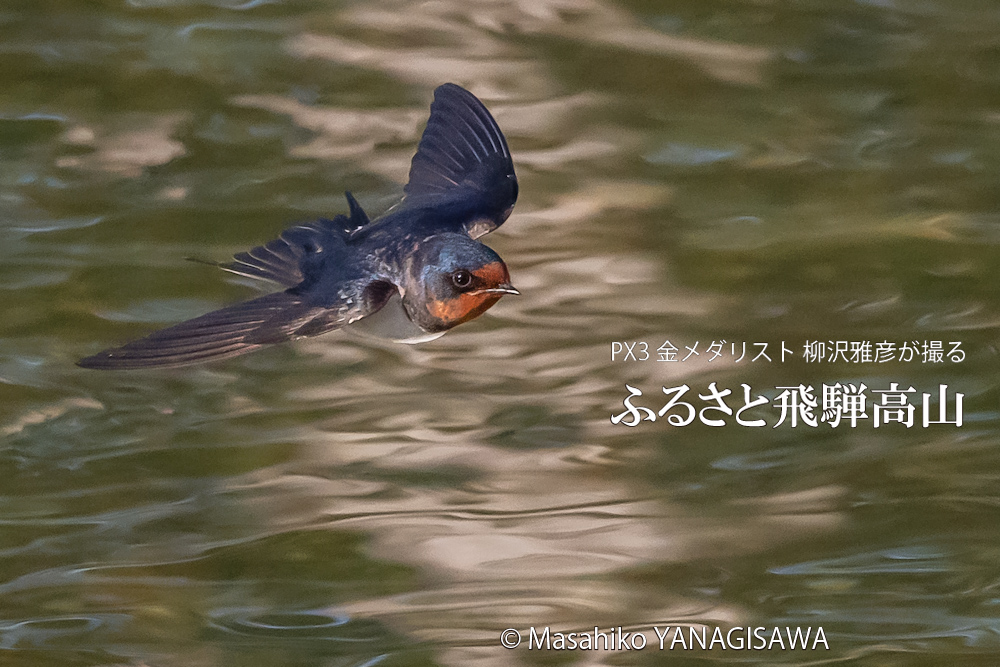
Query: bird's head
{"points": [[453, 279]]}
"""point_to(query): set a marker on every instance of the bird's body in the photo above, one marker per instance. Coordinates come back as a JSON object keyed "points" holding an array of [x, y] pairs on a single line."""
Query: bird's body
{"points": [[419, 263]]}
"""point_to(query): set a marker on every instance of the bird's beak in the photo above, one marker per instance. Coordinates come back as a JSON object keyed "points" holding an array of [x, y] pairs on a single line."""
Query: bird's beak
{"points": [[506, 288]]}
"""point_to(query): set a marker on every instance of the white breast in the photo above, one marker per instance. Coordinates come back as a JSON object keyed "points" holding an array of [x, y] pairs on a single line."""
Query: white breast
{"points": [[391, 322]]}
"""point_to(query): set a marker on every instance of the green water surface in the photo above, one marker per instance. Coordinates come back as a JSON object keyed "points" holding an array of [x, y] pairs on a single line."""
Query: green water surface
{"points": [[731, 172]]}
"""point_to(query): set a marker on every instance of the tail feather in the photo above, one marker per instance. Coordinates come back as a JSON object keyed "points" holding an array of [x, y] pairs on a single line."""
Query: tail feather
{"points": [[229, 332]]}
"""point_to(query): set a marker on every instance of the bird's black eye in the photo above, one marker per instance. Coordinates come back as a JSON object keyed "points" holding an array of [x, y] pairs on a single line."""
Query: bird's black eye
{"points": [[461, 278]]}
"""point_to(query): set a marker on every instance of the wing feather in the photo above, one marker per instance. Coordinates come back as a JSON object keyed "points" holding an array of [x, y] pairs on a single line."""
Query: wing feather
{"points": [[220, 334], [284, 259], [463, 162]]}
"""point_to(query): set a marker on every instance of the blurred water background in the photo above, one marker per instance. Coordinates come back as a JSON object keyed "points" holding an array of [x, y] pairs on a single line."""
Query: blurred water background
{"points": [[723, 170]]}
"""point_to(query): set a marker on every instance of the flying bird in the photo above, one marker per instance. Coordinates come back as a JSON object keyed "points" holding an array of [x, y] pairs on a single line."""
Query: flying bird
{"points": [[409, 275]]}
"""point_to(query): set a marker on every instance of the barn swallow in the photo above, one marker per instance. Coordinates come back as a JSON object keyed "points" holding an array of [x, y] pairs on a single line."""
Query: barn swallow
{"points": [[409, 275]]}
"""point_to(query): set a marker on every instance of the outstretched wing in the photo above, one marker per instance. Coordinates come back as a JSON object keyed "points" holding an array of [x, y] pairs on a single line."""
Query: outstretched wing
{"points": [[237, 329], [463, 164], [232, 331], [285, 259], [296, 260]]}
